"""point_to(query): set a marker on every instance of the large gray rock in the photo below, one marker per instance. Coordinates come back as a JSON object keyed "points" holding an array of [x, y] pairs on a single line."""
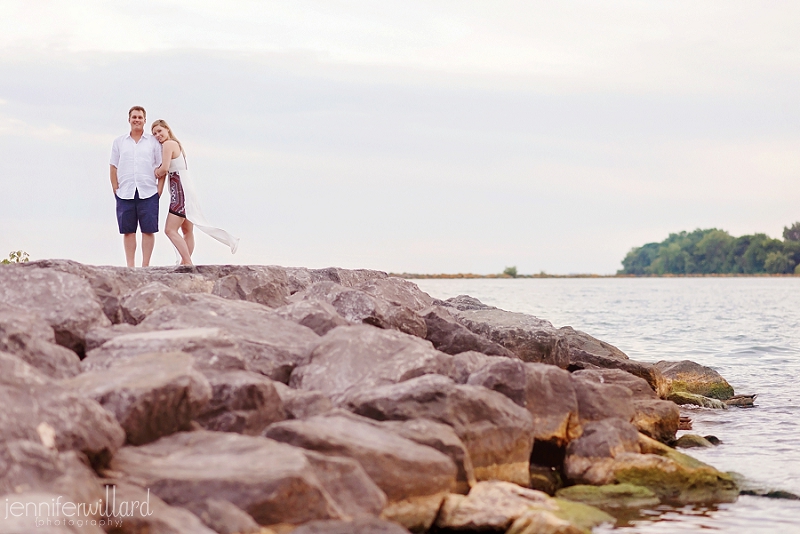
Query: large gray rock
{"points": [[151, 515], [363, 356], [263, 284], [224, 517], [551, 397], [590, 458], [357, 307], [30, 338], [531, 339], [497, 433], [414, 477], [690, 377], [211, 348], [111, 284], [503, 375], [141, 302], [35, 408], [317, 315], [27, 466], [151, 395], [450, 336], [587, 352], [653, 417], [491, 507], [271, 481], [241, 402], [220, 334], [65, 301], [397, 291], [300, 404], [598, 401], [442, 438], [360, 526]]}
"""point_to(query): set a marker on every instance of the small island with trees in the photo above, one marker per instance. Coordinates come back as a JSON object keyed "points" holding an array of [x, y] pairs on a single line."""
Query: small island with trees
{"points": [[715, 251]]}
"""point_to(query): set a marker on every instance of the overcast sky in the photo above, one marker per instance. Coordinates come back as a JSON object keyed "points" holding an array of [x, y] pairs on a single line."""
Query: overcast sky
{"points": [[417, 136]]}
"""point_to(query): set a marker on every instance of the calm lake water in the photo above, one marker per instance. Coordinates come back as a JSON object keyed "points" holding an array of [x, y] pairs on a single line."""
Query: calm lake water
{"points": [[748, 329]]}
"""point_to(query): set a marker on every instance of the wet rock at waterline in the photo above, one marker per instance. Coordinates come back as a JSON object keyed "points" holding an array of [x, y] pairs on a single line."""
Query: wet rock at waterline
{"points": [[690, 377]]}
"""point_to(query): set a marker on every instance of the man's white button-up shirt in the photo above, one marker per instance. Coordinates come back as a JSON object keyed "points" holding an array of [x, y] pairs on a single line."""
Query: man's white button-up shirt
{"points": [[136, 164]]}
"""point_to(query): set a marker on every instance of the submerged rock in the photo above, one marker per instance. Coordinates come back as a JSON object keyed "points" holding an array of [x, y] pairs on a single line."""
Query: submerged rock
{"points": [[689, 441]]}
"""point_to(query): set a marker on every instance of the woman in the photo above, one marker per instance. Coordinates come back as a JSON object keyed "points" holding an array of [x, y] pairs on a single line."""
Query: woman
{"points": [[184, 210]]}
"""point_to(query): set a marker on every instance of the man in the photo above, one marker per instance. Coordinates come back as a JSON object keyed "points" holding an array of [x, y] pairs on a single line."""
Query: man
{"points": [[134, 159]]}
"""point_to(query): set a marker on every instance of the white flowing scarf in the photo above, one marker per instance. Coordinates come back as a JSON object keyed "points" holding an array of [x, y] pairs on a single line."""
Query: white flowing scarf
{"points": [[195, 215]]}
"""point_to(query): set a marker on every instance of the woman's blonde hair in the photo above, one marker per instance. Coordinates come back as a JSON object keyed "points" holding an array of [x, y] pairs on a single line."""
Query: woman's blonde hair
{"points": [[163, 124]]}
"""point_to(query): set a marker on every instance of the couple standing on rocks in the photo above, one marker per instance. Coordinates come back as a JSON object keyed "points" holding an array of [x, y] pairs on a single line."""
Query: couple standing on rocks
{"points": [[140, 164]]}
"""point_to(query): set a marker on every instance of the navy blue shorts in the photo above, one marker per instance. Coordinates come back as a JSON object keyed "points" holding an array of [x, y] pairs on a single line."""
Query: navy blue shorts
{"points": [[138, 213]]}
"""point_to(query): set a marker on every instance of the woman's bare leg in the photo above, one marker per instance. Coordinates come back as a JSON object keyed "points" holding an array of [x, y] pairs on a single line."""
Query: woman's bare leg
{"points": [[171, 229], [188, 235]]}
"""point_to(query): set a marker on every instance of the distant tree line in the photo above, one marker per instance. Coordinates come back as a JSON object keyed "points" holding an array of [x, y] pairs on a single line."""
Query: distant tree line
{"points": [[715, 251]]}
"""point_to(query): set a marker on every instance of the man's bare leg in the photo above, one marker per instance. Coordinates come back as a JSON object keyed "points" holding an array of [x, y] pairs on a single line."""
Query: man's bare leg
{"points": [[148, 242], [129, 241]]}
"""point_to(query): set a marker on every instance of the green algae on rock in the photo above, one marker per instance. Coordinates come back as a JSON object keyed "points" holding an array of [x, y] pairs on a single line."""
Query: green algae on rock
{"points": [[688, 441], [683, 398], [610, 496], [691, 377]]}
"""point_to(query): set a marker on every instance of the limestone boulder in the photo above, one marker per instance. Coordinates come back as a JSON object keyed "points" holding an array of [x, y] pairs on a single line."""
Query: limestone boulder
{"points": [[414, 477], [371, 525], [151, 515], [611, 497], [675, 477], [531, 339], [151, 395], [271, 345], [658, 419], [450, 336], [639, 387], [396, 291], [97, 336], [497, 432], [551, 397], [442, 438], [597, 401], [263, 284], [241, 402], [272, 482], [358, 307], [363, 356], [224, 517], [349, 485], [299, 404], [490, 506], [590, 458], [27, 466], [602, 358], [30, 338], [141, 302], [503, 507], [37, 409], [690, 377], [64, 301], [503, 375], [466, 363], [317, 315], [211, 348], [652, 416]]}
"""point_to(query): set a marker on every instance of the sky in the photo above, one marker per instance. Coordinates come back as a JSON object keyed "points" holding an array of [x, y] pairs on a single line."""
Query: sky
{"points": [[412, 136]]}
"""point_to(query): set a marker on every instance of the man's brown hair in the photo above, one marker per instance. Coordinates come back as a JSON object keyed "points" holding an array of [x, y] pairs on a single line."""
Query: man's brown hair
{"points": [[137, 108]]}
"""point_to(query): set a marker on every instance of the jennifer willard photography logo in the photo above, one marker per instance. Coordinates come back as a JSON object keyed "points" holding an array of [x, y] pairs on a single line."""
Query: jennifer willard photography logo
{"points": [[58, 512]]}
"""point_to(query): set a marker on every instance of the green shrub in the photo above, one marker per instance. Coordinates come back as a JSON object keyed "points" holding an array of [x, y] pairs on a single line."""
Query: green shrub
{"points": [[16, 256], [510, 271]]}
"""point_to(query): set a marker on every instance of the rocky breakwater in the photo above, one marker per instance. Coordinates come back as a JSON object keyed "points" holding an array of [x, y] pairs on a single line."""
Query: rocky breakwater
{"points": [[268, 399]]}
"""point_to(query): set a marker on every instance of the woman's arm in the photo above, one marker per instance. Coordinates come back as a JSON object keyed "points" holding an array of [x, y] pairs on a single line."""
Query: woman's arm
{"points": [[167, 150]]}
